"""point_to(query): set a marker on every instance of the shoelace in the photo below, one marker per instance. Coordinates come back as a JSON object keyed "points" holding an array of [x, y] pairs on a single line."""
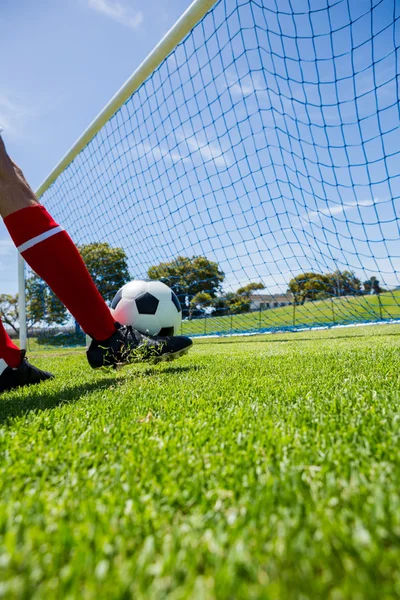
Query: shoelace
{"points": [[133, 333]]}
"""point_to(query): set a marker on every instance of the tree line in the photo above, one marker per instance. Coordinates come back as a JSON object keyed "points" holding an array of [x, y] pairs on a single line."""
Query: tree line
{"points": [[108, 267], [319, 286], [196, 280]]}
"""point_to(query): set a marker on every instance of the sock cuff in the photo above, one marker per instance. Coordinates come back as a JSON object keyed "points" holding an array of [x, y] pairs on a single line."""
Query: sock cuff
{"points": [[29, 223]]}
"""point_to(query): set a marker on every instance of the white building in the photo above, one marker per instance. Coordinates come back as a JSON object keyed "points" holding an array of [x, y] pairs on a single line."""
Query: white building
{"points": [[266, 301]]}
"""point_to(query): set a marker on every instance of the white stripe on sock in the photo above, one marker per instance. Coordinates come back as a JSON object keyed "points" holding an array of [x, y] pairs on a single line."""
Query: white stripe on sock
{"points": [[3, 365], [39, 238]]}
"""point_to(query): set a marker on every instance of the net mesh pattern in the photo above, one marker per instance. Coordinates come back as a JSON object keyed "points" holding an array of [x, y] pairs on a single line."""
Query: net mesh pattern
{"points": [[267, 142]]}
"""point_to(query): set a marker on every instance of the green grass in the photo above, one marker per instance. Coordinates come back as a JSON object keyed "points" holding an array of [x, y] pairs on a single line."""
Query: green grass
{"points": [[323, 312], [258, 467]]}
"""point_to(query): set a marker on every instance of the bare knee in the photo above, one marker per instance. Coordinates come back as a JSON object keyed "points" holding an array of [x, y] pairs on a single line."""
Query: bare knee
{"points": [[15, 192]]}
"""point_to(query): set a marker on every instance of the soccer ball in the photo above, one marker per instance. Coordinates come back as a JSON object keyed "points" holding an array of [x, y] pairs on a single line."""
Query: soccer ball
{"points": [[151, 307]]}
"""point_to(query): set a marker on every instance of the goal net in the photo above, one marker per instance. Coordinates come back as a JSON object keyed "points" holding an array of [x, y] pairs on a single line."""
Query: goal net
{"points": [[256, 169]]}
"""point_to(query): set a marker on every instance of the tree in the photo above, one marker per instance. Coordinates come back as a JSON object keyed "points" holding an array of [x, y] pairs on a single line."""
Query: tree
{"points": [[367, 286], [236, 302], [35, 300], [315, 286], [246, 290], [9, 311], [372, 286], [56, 313], [189, 276], [239, 304], [376, 288], [309, 286], [220, 304], [200, 301], [344, 283], [108, 267], [42, 304]]}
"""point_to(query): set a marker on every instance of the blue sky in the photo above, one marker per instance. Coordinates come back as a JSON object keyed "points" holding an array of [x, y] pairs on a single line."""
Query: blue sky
{"points": [[61, 63], [267, 141]]}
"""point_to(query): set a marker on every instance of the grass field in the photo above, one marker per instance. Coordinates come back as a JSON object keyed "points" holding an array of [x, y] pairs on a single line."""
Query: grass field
{"points": [[334, 311], [256, 467]]}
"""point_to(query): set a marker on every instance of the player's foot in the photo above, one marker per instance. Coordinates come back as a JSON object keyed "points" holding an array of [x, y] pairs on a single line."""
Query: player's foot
{"points": [[25, 374], [127, 345]]}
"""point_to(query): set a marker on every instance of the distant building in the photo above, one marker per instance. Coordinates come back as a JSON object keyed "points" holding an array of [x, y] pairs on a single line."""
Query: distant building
{"points": [[266, 301]]}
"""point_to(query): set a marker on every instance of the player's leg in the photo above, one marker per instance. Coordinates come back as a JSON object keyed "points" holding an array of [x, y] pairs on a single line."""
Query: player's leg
{"points": [[49, 250], [15, 370]]}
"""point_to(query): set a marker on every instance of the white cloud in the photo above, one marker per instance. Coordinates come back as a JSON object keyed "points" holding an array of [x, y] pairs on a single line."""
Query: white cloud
{"points": [[188, 148], [209, 152], [120, 11], [242, 89], [159, 152], [245, 86], [338, 209], [12, 115]]}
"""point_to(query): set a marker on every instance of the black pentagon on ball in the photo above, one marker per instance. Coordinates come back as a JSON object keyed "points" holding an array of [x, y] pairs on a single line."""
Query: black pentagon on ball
{"points": [[116, 299], [166, 331], [175, 300], [147, 304]]}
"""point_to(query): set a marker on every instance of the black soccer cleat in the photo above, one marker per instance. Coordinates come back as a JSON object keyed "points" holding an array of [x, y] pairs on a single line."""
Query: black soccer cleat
{"points": [[25, 374], [127, 345]]}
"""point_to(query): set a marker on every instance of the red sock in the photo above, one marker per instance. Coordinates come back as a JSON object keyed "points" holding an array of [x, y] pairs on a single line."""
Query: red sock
{"points": [[51, 253], [9, 352]]}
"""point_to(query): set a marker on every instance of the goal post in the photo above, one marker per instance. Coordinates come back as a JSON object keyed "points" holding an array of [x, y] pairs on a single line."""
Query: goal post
{"points": [[252, 163], [182, 27], [23, 334], [194, 13]]}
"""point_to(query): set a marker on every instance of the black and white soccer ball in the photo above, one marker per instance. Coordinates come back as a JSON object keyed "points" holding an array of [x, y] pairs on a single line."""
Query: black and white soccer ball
{"points": [[151, 307]]}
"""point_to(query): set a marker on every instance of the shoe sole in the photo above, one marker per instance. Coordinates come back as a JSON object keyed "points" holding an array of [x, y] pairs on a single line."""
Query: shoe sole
{"points": [[152, 360], [168, 357]]}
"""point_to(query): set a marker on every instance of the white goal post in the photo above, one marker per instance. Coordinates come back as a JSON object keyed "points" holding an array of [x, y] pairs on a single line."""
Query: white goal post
{"points": [[194, 13], [256, 148]]}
